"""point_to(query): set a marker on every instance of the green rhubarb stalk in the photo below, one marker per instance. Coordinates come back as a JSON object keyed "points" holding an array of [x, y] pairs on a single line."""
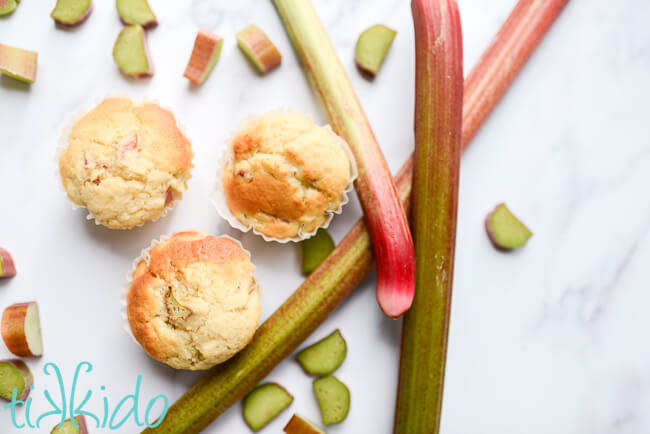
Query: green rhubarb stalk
{"points": [[438, 114], [329, 284], [387, 222]]}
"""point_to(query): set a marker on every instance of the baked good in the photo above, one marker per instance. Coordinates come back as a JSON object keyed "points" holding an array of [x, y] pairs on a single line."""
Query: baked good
{"points": [[194, 303], [126, 163], [286, 175]]}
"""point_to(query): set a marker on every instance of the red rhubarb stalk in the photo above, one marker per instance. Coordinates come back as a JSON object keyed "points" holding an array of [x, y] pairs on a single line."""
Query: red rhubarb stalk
{"points": [[438, 114], [491, 77], [385, 217], [321, 293]]}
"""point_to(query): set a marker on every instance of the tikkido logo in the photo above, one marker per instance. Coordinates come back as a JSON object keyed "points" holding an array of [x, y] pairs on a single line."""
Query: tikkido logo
{"points": [[64, 407]]}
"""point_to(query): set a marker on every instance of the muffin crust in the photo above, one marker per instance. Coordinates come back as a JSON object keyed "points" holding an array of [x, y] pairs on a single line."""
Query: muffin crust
{"points": [[126, 163], [286, 175], [195, 303]]}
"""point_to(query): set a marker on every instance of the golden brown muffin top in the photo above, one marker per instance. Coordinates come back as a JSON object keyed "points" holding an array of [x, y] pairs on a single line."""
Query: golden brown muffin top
{"points": [[194, 303], [286, 175], [126, 163]]}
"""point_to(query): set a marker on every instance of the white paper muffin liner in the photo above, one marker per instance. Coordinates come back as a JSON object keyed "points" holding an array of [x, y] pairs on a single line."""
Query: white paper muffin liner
{"points": [[218, 196], [63, 144], [145, 256]]}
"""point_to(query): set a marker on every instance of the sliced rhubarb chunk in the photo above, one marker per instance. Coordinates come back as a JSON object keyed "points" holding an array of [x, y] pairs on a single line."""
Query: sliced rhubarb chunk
{"points": [[300, 425], [333, 399], [206, 52], [264, 403], [315, 250], [136, 12], [325, 356], [372, 46], [259, 49], [7, 7], [15, 375], [18, 63], [21, 329], [69, 427], [7, 266], [505, 230], [131, 52], [71, 13]]}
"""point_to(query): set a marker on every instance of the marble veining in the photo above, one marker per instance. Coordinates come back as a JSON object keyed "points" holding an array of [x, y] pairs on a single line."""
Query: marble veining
{"points": [[552, 338]]}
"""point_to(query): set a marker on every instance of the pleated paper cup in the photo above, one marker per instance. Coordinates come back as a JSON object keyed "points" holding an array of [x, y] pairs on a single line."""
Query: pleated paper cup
{"points": [[63, 145], [218, 196]]}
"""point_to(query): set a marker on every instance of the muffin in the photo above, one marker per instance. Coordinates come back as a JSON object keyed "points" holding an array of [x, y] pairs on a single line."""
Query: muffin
{"points": [[285, 176], [194, 303], [126, 163]]}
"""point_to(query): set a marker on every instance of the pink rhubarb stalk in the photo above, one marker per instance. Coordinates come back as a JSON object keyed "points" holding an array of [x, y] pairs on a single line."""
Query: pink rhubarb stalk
{"points": [[518, 37], [322, 292], [438, 114], [387, 222]]}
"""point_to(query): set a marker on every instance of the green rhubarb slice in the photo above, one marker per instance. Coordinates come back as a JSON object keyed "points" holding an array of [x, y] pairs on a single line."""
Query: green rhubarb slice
{"points": [[7, 7], [259, 49], [333, 399], [18, 63], [264, 403], [71, 12], [136, 12], [14, 374], [325, 356], [315, 250], [301, 425], [69, 428], [505, 230], [372, 46], [130, 52]]}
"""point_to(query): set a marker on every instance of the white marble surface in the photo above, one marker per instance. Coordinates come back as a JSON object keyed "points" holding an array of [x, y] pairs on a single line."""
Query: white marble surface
{"points": [[552, 338]]}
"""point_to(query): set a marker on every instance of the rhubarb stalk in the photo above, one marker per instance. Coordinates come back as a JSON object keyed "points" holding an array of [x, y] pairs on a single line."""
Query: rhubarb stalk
{"points": [[385, 217], [438, 114], [501, 62], [330, 283]]}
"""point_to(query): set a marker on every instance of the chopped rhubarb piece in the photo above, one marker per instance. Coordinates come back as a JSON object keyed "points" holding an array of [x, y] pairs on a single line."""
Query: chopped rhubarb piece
{"points": [[169, 197], [300, 425], [79, 426], [18, 63], [206, 52], [372, 47], [505, 230], [127, 146], [15, 375], [131, 52], [333, 399], [21, 329], [7, 7], [259, 49], [264, 403], [315, 250], [71, 13], [136, 12], [7, 266]]}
